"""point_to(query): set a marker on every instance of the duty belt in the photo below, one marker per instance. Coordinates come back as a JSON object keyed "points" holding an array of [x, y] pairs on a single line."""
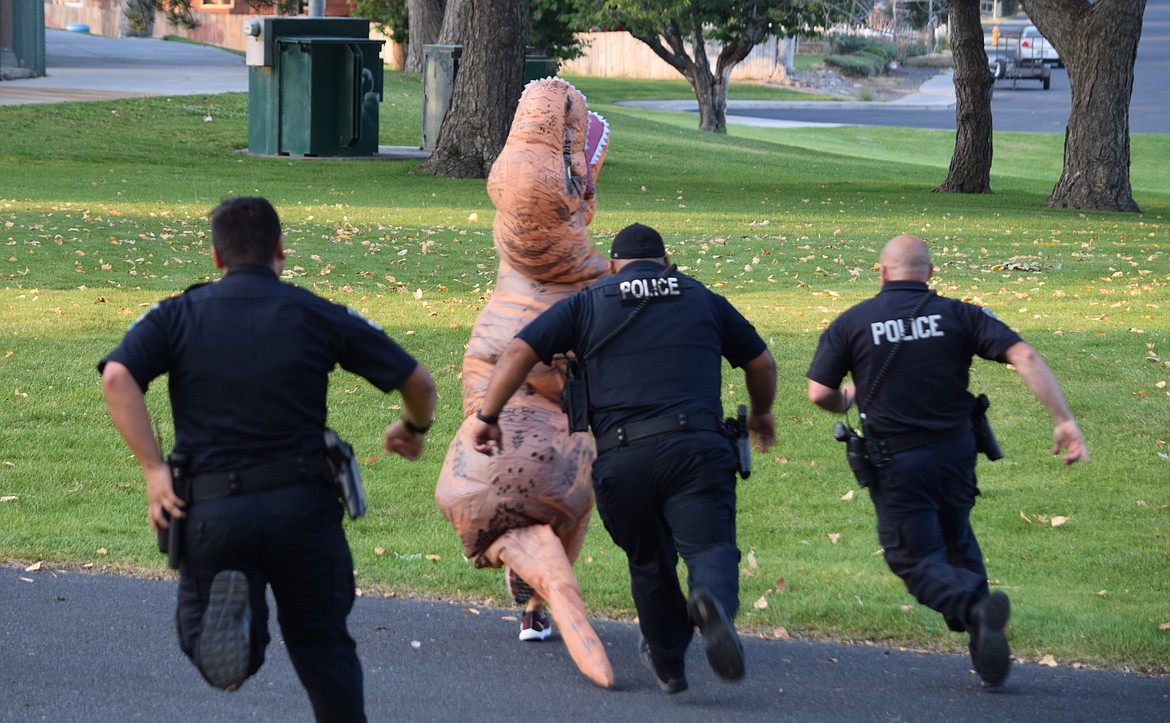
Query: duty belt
{"points": [[253, 479], [634, 431], [886, 446]]}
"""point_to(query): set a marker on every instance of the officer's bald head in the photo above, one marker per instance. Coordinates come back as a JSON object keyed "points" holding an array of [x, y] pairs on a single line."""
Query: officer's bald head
{"points": [[905, 258]]}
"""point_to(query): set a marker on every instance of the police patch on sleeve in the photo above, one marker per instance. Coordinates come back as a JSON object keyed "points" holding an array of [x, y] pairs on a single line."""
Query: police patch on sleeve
{"points": [[355, 314], [987, 310]]}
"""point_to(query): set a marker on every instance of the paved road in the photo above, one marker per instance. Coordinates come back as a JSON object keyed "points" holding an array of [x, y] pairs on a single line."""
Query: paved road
{"points": [[1020, 106], [96, 648]]}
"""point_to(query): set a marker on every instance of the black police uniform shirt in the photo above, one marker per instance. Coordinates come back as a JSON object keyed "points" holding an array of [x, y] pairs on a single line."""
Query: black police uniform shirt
{"points": [[249, 358], [925, 386], [667, 361]]}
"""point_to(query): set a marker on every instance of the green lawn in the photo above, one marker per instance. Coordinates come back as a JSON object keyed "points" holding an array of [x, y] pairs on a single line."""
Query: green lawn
{"points": [[103, 211]]}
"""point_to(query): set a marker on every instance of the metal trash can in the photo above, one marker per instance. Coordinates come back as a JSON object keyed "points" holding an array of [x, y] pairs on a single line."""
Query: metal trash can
{"points": [[440, 63], [314, 86]]}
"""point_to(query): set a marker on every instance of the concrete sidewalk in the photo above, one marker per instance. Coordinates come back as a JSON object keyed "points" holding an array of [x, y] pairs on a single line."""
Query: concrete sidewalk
{"points": [[82, 67]]}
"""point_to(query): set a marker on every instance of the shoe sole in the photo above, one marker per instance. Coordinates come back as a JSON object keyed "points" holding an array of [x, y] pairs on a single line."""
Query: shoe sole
{"points": [[672, 685], [724, 650], [531, 635], [520, 591], [225, 642], [994, 661]]}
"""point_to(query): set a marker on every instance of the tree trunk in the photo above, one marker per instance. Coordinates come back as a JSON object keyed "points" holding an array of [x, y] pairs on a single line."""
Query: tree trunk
{"points": [[970, 170], [137, 20], [425, 18], [1098, 45], [487, 89], [454, 28]]}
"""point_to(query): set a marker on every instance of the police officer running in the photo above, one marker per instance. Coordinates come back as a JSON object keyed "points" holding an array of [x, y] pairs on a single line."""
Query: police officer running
{"points": [[909, 352], [651, 342], [248, 359]]}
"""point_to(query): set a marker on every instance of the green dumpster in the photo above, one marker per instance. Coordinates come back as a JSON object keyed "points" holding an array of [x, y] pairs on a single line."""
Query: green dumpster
{"points": [[314, 87]]}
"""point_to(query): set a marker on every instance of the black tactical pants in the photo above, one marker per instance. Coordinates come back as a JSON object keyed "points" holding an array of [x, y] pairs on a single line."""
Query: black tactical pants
{"points": [[290, 538], [660, 498], [923, 499]]}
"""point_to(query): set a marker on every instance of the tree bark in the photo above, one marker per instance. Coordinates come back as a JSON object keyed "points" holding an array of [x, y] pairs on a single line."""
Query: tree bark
{"points": [[454, 28], [970, 170], [1098, 44], [425, 18], [487, 90]]}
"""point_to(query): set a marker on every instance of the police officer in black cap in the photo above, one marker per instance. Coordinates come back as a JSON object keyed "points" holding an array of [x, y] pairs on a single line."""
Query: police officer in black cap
{"points": [[652, 342], [248, 359], [909, 352]]}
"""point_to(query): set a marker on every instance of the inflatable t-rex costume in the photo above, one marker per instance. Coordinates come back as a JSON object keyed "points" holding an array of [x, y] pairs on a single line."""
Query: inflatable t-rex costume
{"points": [[528, 506]]}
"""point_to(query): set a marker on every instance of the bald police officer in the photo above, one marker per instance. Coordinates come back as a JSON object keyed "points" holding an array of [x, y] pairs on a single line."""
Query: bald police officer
{"points": [[248, 359], [652, 342], [909, 352]]}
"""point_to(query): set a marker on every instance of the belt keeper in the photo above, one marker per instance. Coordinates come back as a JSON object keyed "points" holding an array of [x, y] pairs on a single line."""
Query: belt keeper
{"points": [[621, 435]]}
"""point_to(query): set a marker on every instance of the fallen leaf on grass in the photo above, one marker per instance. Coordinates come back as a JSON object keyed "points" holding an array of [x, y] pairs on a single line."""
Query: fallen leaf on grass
{"points": [[102, 551], [1024, 517], [1164, 626], [1048, 660], [751, 559], [379, 551], [9, 498], [761, 604], [1102, 593], [780, 633], [833, 537], [1058, 521], [848, 496], [35, 567], [434, 558]]}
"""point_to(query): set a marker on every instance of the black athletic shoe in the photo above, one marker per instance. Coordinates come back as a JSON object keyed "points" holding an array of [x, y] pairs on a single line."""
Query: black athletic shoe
{"points": [[224, 650], [989, 646], [724, 651], [668, 685]]}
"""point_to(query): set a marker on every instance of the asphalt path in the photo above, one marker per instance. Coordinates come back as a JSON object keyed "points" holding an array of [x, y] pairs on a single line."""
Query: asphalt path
{"points": [[76, 646]]}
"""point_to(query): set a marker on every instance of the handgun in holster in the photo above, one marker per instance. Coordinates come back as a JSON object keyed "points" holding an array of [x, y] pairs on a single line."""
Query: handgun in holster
{"points": [[736, 430], [346, 474], [575, 395], [170, 540], [985, 440]]}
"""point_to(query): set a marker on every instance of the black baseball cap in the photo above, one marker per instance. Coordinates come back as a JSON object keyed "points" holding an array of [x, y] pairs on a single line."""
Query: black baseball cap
{"points": [[637, 242]]}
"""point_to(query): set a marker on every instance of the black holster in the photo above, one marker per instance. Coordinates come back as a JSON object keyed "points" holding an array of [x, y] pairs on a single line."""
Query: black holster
{"points": [[985, 441], [575, 396], [345, 473], [855, 454], [170, 540], [736, 430]]}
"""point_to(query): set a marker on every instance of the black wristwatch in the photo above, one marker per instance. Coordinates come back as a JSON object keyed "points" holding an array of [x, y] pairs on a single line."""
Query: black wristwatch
{"points": [[414, 428], [486, 419]]}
